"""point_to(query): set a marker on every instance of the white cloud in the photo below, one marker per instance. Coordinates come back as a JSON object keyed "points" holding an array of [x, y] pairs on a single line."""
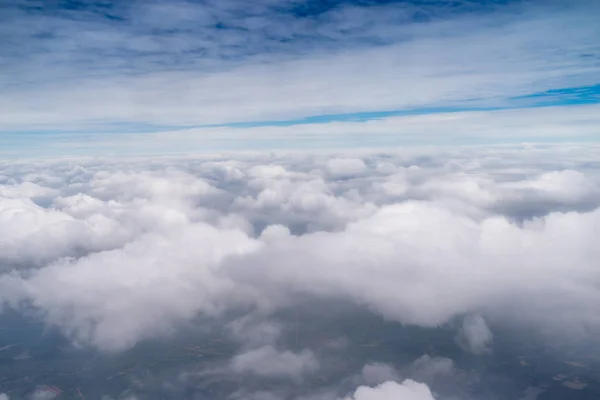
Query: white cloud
{"points": [[407, 390], [419, 263], [267, 361], [345, 167], [475, 336], [114, 298], [4, 396], [43, 394], [113, 252], [442, 375], [274, 232]]}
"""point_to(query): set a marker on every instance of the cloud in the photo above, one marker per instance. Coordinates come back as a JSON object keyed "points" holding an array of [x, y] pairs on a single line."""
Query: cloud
{"points": [[114, 252], [43, 394], [345, 167], [445, 377], [269, 362], [438, 376], [407, 390], [428, 369], [475, 336], [253, 331], [4, 396], [573, 124], [418, 263], [376, 373], [114, 298], [518, 124], [158, 67]]}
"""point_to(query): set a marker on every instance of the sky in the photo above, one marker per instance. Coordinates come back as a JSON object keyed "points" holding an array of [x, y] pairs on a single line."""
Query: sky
{"points": [[409, 172], [156, 77]]}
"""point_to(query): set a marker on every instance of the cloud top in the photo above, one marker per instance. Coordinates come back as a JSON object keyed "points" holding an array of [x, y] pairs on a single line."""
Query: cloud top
{"points": [[407, 390], [115, 252]]}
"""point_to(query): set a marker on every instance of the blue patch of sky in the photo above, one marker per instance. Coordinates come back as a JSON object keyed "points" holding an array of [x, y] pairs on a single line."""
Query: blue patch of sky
{"points": [[557, 97], [567, 96]]}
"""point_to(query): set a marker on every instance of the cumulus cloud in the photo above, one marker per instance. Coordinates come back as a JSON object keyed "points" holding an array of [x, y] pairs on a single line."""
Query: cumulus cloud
{"points": [[440, 374], [114, 298], [114, 252], [252, 331], [428, 369], [267, 361], [345, 167], [474, 335], [4, 396], [407, 390], [43, 394], [376, 373], [419, 263]]}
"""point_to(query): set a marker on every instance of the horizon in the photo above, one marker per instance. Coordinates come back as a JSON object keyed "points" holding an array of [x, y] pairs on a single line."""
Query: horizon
{"points": [[299, 200]]}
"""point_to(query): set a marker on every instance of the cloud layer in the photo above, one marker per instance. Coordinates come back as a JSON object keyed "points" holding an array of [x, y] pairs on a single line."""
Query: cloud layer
{"points": [[114, 252]]}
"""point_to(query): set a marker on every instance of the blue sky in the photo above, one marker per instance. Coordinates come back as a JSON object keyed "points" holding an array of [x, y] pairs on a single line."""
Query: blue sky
{"points": [[124, 77]]}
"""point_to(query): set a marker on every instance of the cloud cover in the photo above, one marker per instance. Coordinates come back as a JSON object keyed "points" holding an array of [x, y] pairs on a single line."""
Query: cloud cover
{"points": [[114, 252], [119, 72]]}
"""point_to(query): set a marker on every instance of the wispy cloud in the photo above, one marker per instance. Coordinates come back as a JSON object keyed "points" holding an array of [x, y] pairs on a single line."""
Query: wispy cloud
{"points": [[543, 124], [107, 66]]}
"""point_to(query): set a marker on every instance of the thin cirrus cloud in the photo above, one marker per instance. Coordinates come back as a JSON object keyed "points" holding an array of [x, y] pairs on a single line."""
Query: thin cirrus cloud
{"points": [[409, 390], [123, 72]]}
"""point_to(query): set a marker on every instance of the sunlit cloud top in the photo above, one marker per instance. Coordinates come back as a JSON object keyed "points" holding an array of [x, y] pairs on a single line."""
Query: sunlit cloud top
{"points": [[122, 77]]}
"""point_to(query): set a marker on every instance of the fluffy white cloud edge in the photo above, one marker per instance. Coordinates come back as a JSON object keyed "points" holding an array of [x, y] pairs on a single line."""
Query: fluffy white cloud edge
{"points": [[407, 390], [117, 252]]}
